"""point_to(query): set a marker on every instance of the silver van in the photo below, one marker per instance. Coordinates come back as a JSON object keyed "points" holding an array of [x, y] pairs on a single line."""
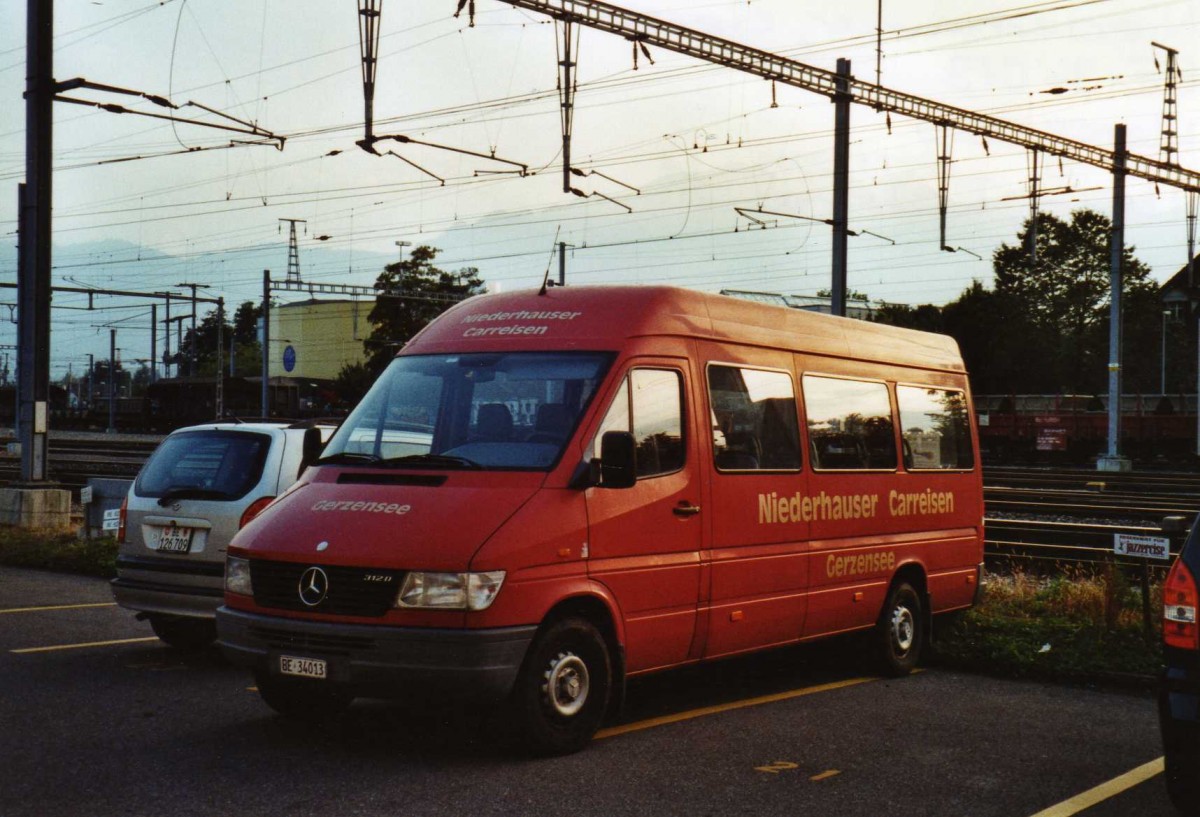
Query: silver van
{"points": [[200, 486]]}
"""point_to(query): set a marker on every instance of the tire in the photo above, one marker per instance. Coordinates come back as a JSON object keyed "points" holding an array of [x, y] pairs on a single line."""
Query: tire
{"points": [[900, 633], [1181, 756], [1182, 787], [184, 633], [301, 699], [562, 693]]}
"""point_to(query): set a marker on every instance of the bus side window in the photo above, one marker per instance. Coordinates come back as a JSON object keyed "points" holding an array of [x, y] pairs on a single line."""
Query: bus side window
{"points": [[755, 412], [935, 428], [849, 424]]}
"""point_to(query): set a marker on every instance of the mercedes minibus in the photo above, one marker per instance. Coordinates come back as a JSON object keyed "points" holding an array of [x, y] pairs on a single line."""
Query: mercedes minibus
{"points": [[546, 494]]}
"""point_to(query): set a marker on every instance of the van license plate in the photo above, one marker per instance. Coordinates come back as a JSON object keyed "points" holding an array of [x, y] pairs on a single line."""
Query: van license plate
{"points": [[175, 540], [303, 667]]}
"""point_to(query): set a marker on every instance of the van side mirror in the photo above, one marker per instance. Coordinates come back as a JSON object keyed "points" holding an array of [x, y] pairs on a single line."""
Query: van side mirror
{"points": [[310, 448], [618, 460]]}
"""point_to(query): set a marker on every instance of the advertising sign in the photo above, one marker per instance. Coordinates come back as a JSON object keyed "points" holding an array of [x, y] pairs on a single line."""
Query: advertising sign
{"points": [[1143, 547]]}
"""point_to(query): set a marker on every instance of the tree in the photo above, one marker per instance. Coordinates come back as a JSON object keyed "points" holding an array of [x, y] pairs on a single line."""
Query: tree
{"points": [[1064, 297], [926, 317], [352, 382], [245, 323], [851, 294], [412, 293], [244, 331], [102, 380]]}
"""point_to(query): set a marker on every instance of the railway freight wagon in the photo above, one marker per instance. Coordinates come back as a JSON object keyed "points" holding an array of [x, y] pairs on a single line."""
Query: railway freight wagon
{"points": [[546, 494], [1073, 428]]}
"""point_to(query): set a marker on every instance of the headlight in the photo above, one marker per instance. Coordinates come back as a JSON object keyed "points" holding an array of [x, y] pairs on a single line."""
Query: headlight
{"points": [[237, 576], [450, 591]]}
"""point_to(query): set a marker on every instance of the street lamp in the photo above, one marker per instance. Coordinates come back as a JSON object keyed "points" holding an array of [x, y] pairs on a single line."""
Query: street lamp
{"points": [[1163, 384]]}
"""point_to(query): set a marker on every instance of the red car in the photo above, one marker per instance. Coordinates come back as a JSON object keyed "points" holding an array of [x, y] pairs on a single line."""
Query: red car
{"points": [[1179, 690]]}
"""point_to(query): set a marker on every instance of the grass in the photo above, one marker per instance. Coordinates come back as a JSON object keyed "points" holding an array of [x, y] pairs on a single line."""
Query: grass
{"points": [[62, 552], [1076, 624]]}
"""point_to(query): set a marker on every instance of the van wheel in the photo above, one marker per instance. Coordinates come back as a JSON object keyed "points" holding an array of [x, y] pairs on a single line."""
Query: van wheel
{"points": [[184, 633], [311, 700], [562, 693], [900, 632]]}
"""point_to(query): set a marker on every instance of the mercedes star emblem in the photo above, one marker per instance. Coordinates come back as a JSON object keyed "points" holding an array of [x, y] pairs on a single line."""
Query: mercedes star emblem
{"points": [[314, 584]]}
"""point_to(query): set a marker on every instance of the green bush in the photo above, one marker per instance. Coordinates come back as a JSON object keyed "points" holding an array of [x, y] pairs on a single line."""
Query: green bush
{"points": [[64, 552], [1075, 625]]}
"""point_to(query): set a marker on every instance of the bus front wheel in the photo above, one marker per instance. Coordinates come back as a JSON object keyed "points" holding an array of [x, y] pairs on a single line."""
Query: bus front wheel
{"points": [[562, 693]]}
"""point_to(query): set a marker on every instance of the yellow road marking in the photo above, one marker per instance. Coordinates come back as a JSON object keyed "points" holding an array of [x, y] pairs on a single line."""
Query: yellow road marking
{"points": [[714, 710], [825, 775], [81, 646], [58, 607], [1104, 791]]}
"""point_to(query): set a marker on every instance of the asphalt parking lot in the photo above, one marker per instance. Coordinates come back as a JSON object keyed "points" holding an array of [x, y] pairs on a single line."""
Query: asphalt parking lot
{"points": [[101, 718]]}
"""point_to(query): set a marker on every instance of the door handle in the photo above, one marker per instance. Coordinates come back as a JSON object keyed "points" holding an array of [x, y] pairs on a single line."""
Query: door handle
{"points": [[685, 508]]}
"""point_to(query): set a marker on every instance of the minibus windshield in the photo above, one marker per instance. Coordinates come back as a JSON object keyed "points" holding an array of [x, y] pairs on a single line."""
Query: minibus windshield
{"points": [[512, 410]]}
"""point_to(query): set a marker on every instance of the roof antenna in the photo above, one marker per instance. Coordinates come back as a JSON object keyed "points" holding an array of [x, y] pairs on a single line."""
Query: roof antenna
{"points": [[546, 278]]}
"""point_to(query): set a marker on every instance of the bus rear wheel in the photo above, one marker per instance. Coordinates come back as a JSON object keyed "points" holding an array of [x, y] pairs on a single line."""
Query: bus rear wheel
{"points": [[900, 632], [562, 693]]}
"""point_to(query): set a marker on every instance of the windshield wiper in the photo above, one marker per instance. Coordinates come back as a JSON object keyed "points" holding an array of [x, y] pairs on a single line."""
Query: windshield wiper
{"points": [[189, 492], [344, 457], [435, 460]]}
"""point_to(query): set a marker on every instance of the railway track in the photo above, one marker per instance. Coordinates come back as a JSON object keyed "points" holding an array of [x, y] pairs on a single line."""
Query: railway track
{"points": [[1074, 515], [1156, 483], [72, 460]]}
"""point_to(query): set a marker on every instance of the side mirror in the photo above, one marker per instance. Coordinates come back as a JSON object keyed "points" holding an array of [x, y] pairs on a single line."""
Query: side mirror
{"points": [[310, 449], [618, 460]]}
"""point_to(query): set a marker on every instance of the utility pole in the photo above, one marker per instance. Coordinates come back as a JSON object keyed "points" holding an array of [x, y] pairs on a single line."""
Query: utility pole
{"points": [[167, 339], [562, 264], [879, 42], [293, 267], [1169, 147], [192, 349], [266, 342], [841, 187], [91, 379], [153, 343], [220, 363], [1114, 461], [33, 224], [112, 381], [566, 101], [368, 40]]}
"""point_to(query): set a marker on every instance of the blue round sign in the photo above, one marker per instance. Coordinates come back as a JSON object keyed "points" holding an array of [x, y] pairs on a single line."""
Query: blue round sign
{"points": [[289, 358]]}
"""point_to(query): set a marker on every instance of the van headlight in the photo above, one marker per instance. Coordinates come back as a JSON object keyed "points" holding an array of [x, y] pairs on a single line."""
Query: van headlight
{"points": [[449, 591], [237, 576]]}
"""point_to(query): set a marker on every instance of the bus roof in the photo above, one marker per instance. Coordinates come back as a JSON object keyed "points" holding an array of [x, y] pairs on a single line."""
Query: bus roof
{"points": [[602, 317]]}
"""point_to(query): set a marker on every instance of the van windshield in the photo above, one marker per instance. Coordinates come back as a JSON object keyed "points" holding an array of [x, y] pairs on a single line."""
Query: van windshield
{"points": [[492, 410]]}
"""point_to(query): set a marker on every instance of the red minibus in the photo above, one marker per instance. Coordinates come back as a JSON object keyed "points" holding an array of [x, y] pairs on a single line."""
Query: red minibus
{"points": [[546, 494]]}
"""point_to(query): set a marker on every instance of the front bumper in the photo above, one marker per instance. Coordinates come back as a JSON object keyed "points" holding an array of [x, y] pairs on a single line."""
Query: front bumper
{"points": [[172, 586], [385, 662]]}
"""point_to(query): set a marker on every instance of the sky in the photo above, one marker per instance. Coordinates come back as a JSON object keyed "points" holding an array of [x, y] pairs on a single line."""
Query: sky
{"points": [[668, 149]]}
